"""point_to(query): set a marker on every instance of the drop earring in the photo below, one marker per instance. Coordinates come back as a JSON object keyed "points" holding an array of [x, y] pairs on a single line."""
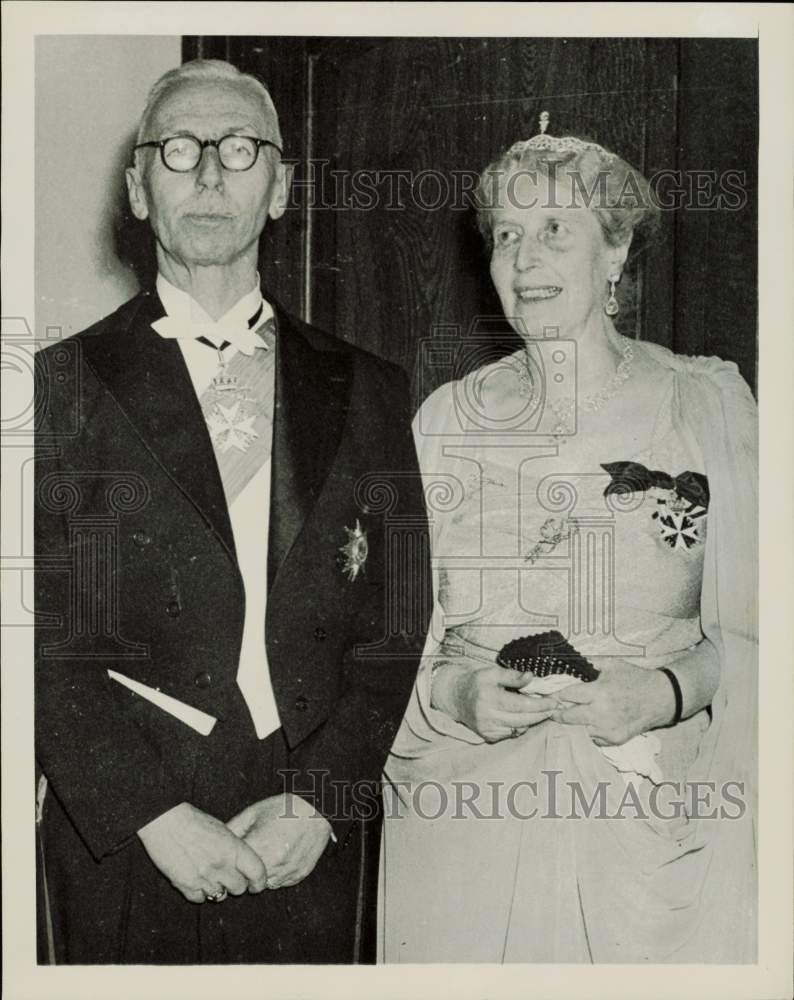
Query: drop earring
{"points": [[612, 308]]}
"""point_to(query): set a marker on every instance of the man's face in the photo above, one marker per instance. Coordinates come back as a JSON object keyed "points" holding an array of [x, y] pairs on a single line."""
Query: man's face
{"points": [[208, 216]]}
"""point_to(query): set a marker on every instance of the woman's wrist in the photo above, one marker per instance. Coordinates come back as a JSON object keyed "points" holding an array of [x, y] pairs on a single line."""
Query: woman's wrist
{"points": [[698, 674], [661, 703], [443, 675], [687, 685], [678, 698], [446, 679]]}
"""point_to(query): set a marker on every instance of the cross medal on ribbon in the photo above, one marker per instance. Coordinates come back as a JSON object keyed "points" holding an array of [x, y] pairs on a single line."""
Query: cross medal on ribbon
{"points": [[239, 414], [683, 505]]}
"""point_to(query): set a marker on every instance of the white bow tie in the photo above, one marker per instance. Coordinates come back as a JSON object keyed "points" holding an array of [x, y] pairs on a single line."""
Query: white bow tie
{"points": [[237, 333]]}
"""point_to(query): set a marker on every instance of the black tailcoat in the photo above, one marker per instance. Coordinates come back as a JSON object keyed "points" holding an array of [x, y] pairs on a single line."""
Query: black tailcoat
{"points": [[137, 573]]}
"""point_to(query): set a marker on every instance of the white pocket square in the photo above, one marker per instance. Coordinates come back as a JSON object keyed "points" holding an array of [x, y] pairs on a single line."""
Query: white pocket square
{"points": [[193, 717]]}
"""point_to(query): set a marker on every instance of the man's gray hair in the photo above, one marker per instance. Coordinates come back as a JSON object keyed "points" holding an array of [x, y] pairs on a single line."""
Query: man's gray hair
{"points": [[207, 69]]}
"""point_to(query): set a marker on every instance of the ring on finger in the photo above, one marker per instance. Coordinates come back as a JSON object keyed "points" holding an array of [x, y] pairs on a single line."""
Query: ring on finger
{"points": [[218, 896]]}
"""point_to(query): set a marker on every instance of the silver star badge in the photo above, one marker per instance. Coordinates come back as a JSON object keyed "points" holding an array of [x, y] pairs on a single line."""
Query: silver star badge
{"points": [[355, 551]]}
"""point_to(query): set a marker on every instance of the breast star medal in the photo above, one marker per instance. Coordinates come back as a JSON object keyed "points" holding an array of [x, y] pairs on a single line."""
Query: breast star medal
{"points": [[355, 551]]}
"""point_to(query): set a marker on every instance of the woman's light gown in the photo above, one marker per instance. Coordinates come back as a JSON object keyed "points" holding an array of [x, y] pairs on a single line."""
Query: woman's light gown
{"points": [[522, 545]]}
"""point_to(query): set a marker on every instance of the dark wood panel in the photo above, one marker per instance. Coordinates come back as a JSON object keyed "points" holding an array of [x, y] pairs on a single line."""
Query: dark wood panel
{"points": [[205, 47], [280, 63], [717, 248], [656, 272], [367, 109], [452, 105]]}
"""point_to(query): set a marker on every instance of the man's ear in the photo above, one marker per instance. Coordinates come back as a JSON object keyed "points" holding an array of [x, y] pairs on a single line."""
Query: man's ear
{"points": [[281, 186], [136, 190]]}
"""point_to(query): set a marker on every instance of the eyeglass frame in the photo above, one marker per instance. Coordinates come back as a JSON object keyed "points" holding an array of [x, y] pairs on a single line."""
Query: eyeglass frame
{"points": [[204, 143]]}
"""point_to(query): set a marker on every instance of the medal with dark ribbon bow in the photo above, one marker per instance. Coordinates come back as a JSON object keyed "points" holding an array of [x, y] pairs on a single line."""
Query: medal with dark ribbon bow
{"points": [[681, 516], [631, 477]]}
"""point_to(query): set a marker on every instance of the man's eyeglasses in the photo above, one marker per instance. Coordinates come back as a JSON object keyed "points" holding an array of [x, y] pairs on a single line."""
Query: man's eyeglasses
{"points": [[183, 152]]}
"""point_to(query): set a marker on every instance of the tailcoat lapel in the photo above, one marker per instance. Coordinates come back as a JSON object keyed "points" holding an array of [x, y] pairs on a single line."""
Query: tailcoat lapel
{"points": [[312, 394], [147, 376]]}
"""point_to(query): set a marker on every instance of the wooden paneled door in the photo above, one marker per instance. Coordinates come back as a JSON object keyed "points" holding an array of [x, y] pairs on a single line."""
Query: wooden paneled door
{"points": [[388, 134]]}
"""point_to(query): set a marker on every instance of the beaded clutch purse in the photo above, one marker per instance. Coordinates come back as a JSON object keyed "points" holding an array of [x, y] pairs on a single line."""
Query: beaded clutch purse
{"points": [[545, 654]]}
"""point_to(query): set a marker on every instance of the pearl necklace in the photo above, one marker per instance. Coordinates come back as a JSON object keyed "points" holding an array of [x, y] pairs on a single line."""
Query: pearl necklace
{"points": [[565, 408]]}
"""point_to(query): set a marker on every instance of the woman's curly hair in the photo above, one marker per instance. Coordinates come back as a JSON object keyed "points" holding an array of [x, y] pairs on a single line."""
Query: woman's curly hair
{"points": [[617, 193]]}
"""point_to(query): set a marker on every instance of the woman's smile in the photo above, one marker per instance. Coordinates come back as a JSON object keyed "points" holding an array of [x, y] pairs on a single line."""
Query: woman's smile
{"points": [[537, 293]]}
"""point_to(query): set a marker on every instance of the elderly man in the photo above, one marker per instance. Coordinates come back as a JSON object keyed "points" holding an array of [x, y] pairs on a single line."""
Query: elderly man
{"points": [[232, 581]]}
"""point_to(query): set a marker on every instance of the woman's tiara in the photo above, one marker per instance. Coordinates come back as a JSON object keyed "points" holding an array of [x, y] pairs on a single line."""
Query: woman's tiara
{"points": [[557, 144]]}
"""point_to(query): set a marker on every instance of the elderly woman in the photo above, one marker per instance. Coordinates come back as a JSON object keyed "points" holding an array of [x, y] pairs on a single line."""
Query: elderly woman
{"points": [[598, 490]]}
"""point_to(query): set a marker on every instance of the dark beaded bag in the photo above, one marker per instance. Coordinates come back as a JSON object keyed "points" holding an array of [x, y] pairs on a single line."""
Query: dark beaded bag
{"points": [[545, 654]]}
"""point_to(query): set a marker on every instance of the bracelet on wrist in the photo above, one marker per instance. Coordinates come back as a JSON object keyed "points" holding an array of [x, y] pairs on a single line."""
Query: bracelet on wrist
{"points": [[433, 671], [679, 698]]}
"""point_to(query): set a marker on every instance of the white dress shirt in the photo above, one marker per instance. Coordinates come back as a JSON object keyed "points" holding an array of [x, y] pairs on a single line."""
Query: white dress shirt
{"points": [[250, 511]]}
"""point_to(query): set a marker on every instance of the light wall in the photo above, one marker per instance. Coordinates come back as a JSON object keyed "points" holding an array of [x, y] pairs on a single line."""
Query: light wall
{"points": [[90, 91]]}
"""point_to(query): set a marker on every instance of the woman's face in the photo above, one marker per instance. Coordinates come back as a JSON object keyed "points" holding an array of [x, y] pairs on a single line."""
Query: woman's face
{"points": [[550, 263]]}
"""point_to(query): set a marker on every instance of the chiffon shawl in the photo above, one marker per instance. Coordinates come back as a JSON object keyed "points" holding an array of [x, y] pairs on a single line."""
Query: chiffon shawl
{"points": [[680, 895]]}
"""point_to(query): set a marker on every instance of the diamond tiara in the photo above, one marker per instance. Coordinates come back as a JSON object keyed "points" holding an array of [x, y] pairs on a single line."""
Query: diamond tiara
{"points": [[557, 144]]}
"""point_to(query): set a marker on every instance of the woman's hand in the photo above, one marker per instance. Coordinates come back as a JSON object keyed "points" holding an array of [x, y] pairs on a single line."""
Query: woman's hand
{"points": [[486, 699], [625, 700]]}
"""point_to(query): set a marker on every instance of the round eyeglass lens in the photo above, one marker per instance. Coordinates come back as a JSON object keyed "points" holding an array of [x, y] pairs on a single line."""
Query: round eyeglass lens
{"points": [[182, 152], [237, 152]]}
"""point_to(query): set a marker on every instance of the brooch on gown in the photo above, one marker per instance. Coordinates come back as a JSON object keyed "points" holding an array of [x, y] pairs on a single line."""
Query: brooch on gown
{"points": [[553, 531], [682, 501]]}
